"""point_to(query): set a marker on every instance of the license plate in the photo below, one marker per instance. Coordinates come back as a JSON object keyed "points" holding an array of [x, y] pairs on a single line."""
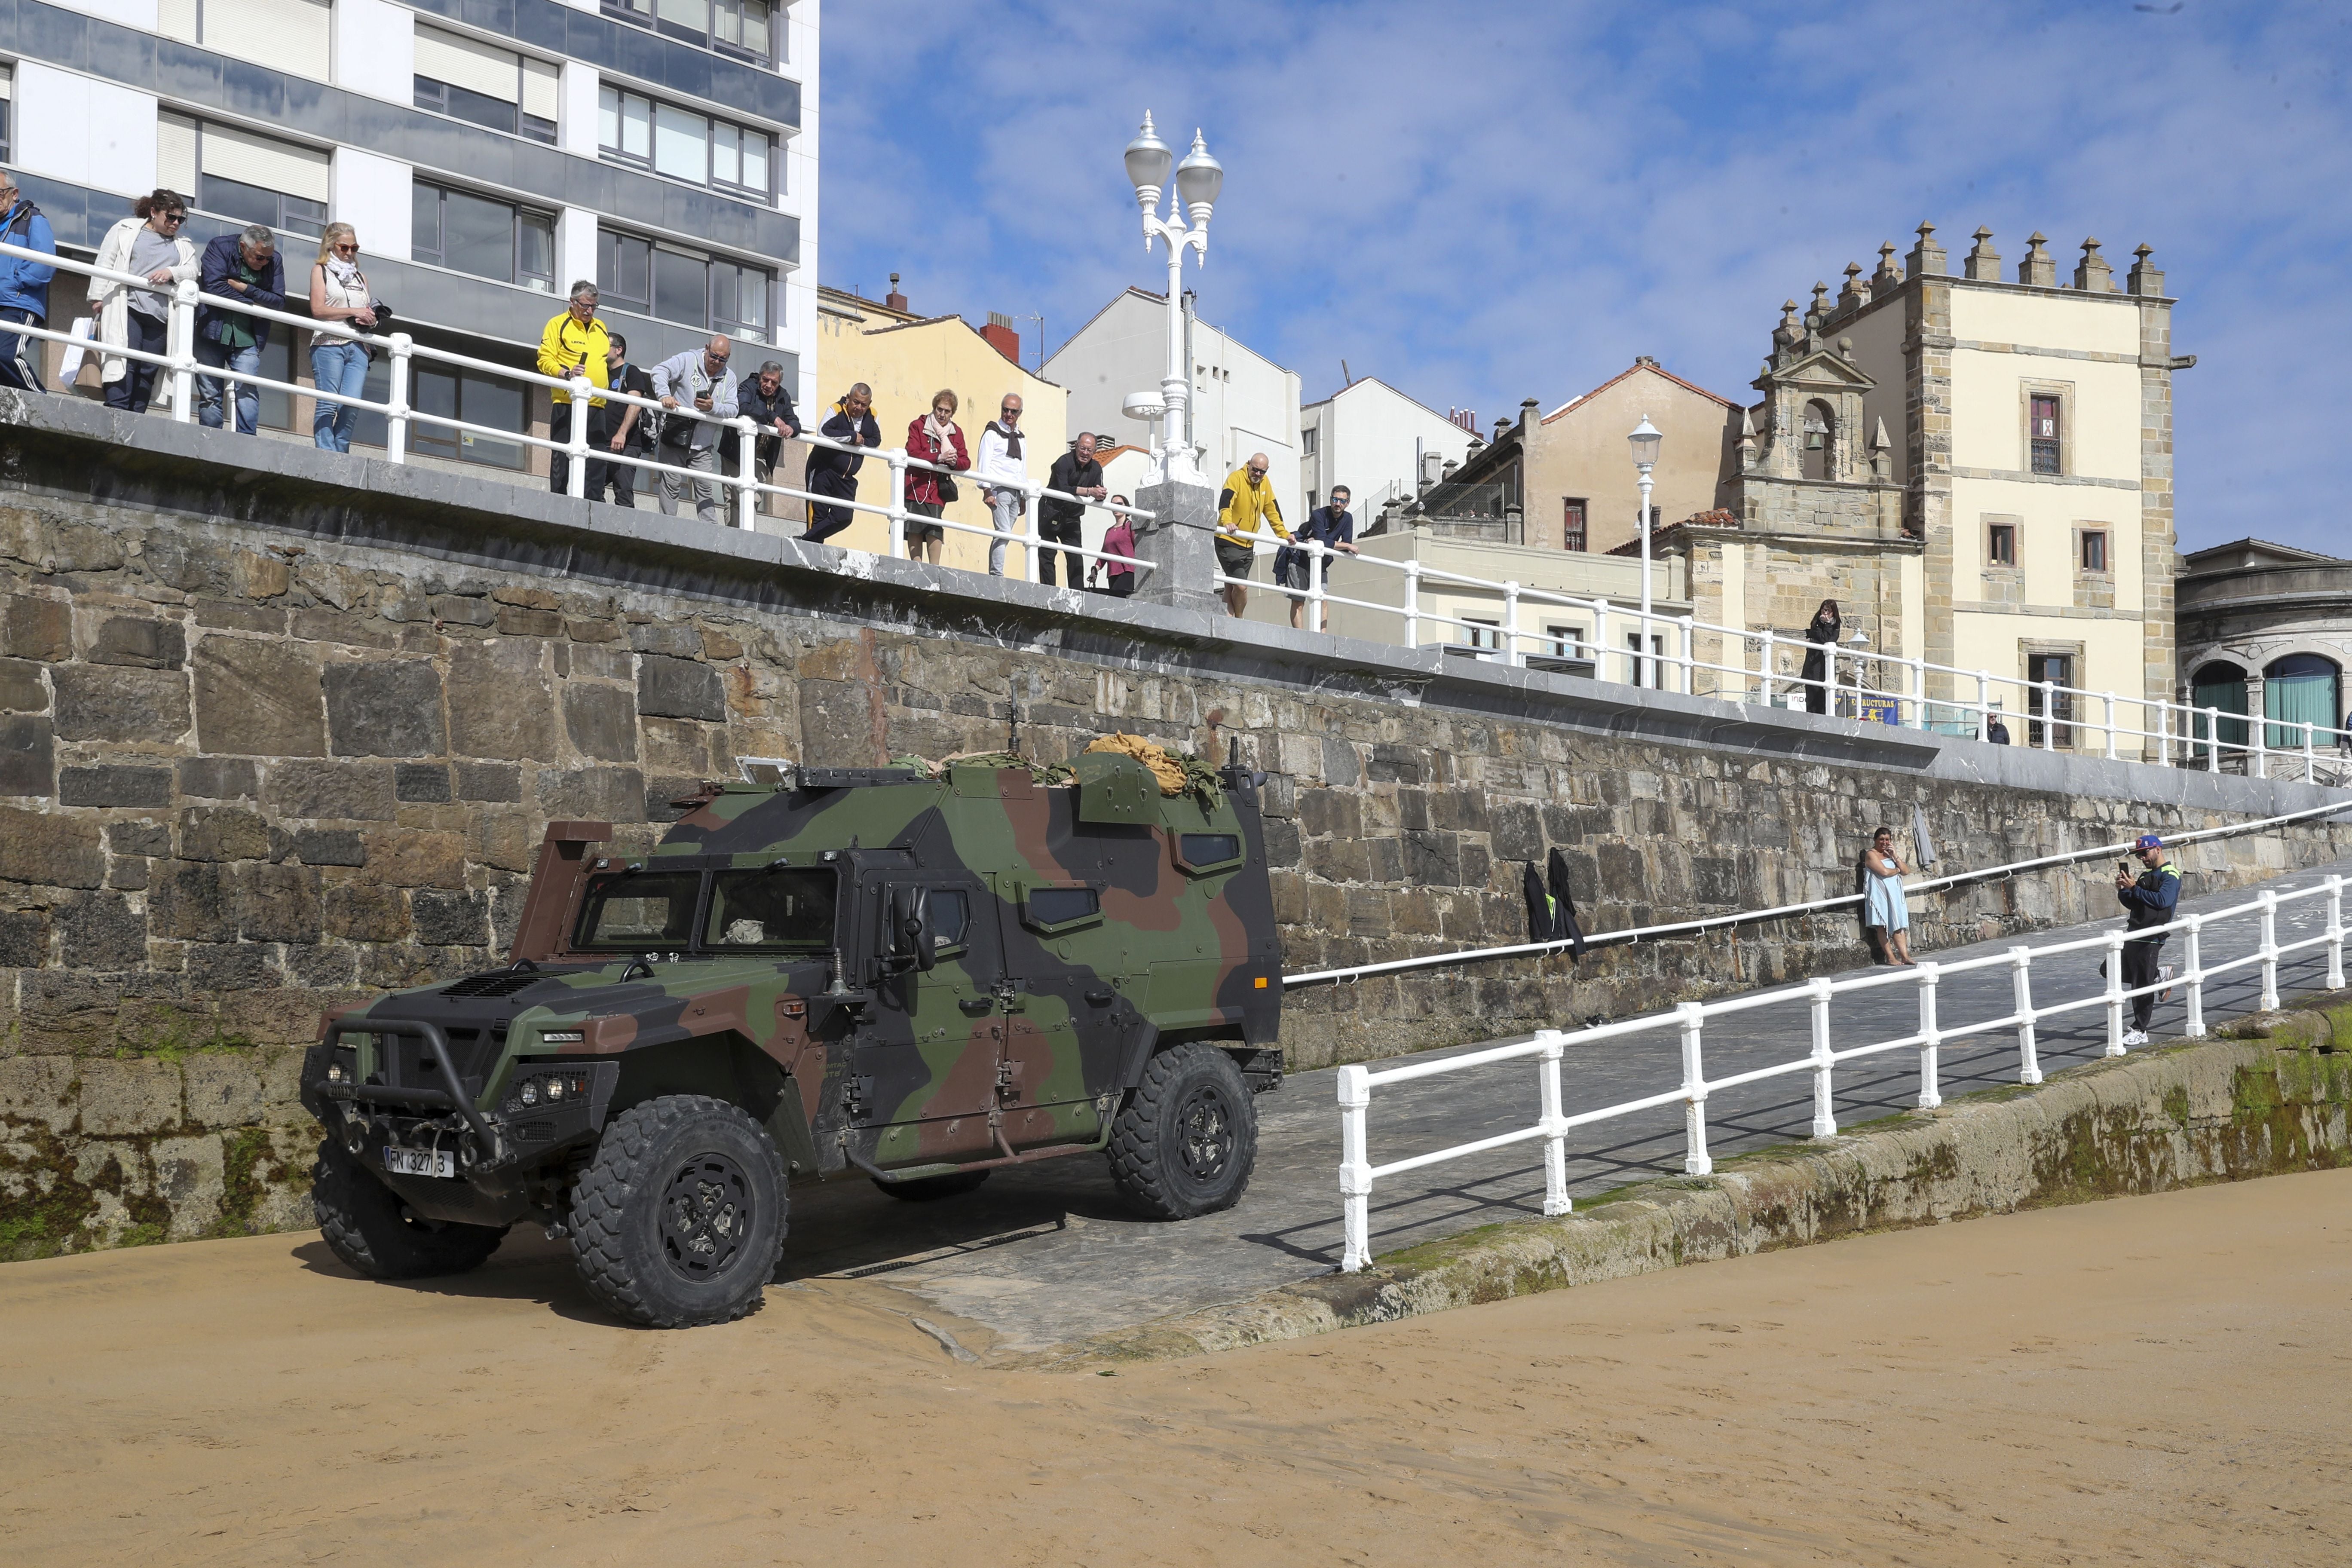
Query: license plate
{"points": [[419, 1161]]}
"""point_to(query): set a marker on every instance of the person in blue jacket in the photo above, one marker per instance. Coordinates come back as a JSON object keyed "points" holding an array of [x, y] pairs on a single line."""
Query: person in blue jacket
{"points": [[24, 286], [2148, 900], [244, 268]]}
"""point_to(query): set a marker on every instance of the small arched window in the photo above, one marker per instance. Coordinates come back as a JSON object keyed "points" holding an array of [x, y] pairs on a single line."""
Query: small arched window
{"points": [[2298, 690], [1820, 445]]}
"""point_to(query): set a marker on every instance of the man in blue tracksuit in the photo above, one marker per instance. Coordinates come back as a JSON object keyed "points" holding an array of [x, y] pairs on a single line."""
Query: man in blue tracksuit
{"points": [[2148, 900], [24, 286]]}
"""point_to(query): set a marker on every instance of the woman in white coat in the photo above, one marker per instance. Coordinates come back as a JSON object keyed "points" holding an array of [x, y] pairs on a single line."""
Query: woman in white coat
{"points": [[148, 244]]}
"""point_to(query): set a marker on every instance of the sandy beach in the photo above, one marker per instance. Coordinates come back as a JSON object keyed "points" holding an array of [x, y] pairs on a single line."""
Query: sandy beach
{"points": [[2150, 1380]]}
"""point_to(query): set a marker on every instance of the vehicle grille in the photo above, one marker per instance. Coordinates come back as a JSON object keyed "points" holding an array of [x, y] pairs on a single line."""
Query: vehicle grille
{"points": [[498, 982]]}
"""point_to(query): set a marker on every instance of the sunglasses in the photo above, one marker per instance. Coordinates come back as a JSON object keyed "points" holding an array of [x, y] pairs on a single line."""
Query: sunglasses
{"points": [[347, 251], [171, 218]]}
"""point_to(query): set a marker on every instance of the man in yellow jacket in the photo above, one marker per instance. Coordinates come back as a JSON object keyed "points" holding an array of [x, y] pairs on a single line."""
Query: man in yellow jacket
{"points": [[1248, 497], [575, 347]]}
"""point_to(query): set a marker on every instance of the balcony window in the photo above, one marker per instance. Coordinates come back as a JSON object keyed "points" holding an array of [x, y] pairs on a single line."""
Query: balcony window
{"points": [[636, 131], [2043, 434], [237, 174], [482, 237], [745, 28], [484, 85], [687, 287], [1571, 524]]}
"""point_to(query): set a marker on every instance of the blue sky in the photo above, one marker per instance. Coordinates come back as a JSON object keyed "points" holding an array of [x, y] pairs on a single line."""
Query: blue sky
{"points": [[1483, 202]]}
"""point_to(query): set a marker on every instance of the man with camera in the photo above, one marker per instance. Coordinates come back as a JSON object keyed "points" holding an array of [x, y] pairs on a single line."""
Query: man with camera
{"points": [[2148, 900]]}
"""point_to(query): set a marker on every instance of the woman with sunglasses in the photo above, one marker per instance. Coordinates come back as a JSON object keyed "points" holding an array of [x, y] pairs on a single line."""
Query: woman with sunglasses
{"points": [[149, 244], [339, 365]]}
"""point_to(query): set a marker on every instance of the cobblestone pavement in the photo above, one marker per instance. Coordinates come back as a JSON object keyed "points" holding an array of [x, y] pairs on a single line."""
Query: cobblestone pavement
{"points": [[1045, 1253]]}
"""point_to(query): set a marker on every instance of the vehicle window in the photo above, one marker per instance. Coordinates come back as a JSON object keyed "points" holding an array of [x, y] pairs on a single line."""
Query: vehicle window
{"points": [[1208, 848], [951, 917], [1057, 906], [779, 911], [633, 912]]}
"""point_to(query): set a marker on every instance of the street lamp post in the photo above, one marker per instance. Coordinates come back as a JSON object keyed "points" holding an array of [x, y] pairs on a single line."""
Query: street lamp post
{"points": [[1644, 440], [1198, 178]]}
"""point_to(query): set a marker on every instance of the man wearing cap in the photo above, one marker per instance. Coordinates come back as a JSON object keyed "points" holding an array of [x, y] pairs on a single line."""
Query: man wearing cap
{"points": [[2148, 900]]}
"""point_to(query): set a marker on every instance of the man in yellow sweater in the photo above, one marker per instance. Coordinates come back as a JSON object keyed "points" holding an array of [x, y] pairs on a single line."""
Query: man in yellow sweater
{"points": [[575, 347], [1248, 497]]}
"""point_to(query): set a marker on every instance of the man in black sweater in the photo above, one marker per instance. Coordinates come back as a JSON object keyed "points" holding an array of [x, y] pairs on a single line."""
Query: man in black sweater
{"points": [[835, 473], [619, 428], [770, 406], [1074, 472]]}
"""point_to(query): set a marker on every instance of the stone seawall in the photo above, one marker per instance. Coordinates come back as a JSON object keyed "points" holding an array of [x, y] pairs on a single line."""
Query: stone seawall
{"points": [[278, 736]]}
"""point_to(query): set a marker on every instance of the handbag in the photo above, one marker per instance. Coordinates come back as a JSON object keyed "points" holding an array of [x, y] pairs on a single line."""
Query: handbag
{"points": [[948, 490]]}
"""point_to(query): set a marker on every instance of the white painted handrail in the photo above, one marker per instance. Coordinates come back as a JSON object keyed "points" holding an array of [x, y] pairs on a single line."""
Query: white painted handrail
{"points": [[1358, 1177]]}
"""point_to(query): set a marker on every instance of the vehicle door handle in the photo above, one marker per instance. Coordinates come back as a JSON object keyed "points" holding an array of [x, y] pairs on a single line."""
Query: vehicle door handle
{"points": [[1100, 998], [976, 1006]]}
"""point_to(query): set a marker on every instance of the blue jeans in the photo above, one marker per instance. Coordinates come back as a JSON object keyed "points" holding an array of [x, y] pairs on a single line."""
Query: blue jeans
{"points": [[339, 369], [220, 356]]}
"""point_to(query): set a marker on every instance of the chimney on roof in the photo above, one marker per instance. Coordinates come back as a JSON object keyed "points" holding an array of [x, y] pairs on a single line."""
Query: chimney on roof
{"points": [[895, 299], [2144, 278], [2038, 268], [1984, 261], [2092, 274], [1530, 415], [1642, 360], [1001, 337]]}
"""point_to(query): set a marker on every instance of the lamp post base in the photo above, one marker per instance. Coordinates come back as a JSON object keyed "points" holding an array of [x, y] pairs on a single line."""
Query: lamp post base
{"points": [[1181, 542]]}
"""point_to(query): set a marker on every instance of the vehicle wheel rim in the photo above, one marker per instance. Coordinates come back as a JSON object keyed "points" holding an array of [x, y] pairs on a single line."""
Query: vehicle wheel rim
{"points": [[707, 1215], [1204, 1134]]}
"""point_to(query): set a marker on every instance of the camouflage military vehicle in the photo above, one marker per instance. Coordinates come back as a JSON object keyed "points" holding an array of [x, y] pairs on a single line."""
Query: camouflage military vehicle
{"points": [[868, 973]]}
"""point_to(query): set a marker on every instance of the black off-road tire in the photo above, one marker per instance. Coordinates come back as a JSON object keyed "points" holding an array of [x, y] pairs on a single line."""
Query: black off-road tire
{"points": [[931, 1189], [679, 1219], [375, 1234], [1186, 1140]]}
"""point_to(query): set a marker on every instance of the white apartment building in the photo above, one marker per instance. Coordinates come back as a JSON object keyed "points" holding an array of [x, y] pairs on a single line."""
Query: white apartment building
{"points": [[1368, 436], [488, 154], [1242, 400]]}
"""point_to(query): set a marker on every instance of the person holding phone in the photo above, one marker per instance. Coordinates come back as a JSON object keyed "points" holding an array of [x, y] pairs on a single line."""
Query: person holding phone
{"points": [[1886, 913], [2149, 897]]}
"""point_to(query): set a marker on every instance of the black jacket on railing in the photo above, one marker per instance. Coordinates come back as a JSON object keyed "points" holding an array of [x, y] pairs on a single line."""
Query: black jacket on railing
{"points": [[763, 411]]}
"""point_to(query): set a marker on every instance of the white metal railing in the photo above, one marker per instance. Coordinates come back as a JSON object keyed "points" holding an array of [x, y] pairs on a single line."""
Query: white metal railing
{"points": [[1358, 1174], [1786, 912], [742, 486], [1855, 681]]}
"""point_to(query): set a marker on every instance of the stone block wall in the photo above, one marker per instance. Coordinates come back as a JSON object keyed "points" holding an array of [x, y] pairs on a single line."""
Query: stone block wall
{"points": [[275, 750]]}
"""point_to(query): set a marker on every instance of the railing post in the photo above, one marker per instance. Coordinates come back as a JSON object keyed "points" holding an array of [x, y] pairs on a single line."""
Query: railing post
{"points": [[575, 445], [1931, 1094], [746, 493], [1318, 562], [1919, 692], [1355, 1169], [1600, 639], [2194, 1027], [1771, 647], [2020, 990], [1555, 1126], [180, 348], [2114, 969], [1511, 621], [1695, 1160], [1689, 662], [2049, 715], [2310, 763], [1984, 702], [2270, 951], [395, 419], [2110, 724], [2213, 739], [1824, 1104], [1033, 497], [898, 501], [1413, 603], [2335, 933]]}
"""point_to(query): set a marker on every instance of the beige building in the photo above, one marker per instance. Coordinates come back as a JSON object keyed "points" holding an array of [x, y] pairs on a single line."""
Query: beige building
{"points": [[1978, 469], [905, 358]]}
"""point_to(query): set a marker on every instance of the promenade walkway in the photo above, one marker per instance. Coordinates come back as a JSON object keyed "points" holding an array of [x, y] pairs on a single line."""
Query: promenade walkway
{"points": [[1045, 1253]]}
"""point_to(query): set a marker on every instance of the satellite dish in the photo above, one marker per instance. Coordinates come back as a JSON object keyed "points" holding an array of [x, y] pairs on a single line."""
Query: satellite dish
{"points": [[1144, 405]]}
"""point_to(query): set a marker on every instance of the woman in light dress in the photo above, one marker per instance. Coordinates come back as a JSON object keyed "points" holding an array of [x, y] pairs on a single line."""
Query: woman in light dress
{"points": [[1885, 916]]}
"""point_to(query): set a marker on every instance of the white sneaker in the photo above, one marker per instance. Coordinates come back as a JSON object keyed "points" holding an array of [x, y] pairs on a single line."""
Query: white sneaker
{"points": [[2135, 1037]]}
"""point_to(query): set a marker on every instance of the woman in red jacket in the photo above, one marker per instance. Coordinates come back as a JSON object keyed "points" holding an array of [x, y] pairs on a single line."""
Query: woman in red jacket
{"points": [[933, 439]]}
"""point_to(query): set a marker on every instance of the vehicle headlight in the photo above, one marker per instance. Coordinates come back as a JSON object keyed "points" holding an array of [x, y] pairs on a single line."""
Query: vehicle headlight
{"points": [[555, 1088], [530, 1095], [561, 1036]]}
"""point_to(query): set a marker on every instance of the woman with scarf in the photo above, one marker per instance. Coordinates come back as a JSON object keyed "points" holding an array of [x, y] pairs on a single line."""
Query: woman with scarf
{"points": [[1823, 634], [339, 365], [149, 244], [934, 437]]}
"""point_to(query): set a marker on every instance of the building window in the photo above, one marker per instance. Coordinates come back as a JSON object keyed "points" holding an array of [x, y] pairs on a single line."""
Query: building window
{"points": [[2058, 669], [687, 287], [744, 28], [237, 174], [1312, 502], [1571, 524], [450, 394], [2095, 550], [1486, 637], [637, 131], [1566, 642], [294, 35], [1306, 441], [2000, 544], [2042, 433], [483, 237], [484, 85], [7, 113]]}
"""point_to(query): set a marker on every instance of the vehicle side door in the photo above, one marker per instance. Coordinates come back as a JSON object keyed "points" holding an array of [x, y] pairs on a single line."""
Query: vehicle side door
{"points": [[928, 1063]]}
